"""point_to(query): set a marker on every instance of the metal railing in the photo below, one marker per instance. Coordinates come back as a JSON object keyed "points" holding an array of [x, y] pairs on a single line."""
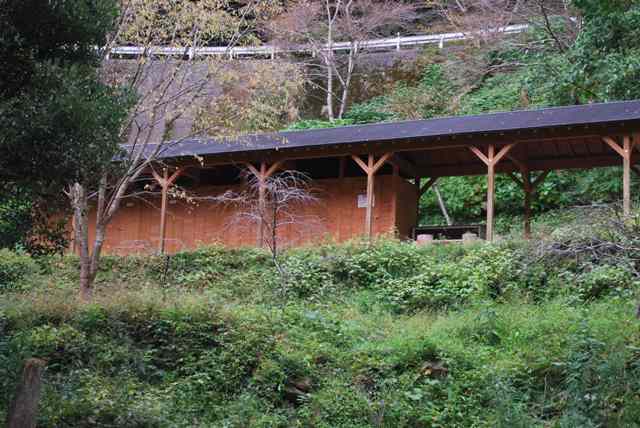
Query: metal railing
{"points": [[389, 43]]}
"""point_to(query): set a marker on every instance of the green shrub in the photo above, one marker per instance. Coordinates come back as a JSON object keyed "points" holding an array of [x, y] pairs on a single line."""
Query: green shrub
{"points": [[308, 275], [318, 124], [366, 266], [17, 270], [604, 280], [484, 269], [211, 264], [59, 345]]}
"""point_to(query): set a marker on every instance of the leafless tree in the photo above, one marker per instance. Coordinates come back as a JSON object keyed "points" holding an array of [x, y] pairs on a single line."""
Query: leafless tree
{"points": [[319, 24], [167, 93], [275, 206]]}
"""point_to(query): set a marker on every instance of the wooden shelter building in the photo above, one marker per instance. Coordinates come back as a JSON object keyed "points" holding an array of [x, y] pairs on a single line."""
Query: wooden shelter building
{"points": [[368, 178]]}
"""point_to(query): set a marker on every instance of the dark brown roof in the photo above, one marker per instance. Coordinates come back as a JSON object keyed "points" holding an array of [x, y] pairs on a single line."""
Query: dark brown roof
{"points": [[583, 120]]}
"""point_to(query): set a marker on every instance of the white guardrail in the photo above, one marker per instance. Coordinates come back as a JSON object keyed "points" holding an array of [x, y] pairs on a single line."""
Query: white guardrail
{"points": [[271, 51]]}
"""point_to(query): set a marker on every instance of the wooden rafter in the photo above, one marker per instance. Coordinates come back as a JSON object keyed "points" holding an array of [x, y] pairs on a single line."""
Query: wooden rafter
{"points": [[360, 163], [539, 179], [515, 178], [404, 165], [426, 186], [614, 145]]}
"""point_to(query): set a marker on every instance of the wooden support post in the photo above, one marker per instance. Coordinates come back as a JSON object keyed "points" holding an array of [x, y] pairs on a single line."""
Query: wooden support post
{"points": [[395, 185], [165, 181], [625, 151], [527, 207], [262, 175], [491, 160], [491, 188], [626, 177], [342, 168], [370, 168], [418, 194], [529, 187]]}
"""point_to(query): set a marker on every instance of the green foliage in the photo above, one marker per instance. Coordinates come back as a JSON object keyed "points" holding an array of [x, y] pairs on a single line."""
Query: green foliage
{"points": [[605, 59], [58, 121], [318, 124], [382, 334], [15, 216], [17, 270], [370, 111], [429, 98], [439, 284], [605, 280]]}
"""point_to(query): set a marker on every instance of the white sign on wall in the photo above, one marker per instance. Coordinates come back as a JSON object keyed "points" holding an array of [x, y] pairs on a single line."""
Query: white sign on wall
{"points": [[362, 200]]}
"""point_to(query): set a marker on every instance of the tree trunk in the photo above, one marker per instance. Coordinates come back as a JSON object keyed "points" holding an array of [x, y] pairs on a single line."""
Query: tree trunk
{"points": [[79, 201], [330, 92], [23, 410], [347, 81], [88, 259], [443, 207], [330, 61]]}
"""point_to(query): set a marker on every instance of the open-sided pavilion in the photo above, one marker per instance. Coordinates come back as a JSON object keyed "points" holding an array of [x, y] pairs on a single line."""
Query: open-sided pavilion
{"points": [[372, 176]]}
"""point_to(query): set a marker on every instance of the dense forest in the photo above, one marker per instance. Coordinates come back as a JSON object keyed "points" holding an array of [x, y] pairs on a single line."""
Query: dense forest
{"points": [[515, 333]]}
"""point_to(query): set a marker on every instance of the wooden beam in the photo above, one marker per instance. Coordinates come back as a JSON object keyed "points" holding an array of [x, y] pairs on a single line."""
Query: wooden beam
{"points": [[502, 153], [342, 167], [362, 165], [517, 162], [479, 168], [540, 179], [277, 165], [405, 165], [385, 157], [427, 186], [253, 170], [614, 145], [480, 155], [513, 177]]}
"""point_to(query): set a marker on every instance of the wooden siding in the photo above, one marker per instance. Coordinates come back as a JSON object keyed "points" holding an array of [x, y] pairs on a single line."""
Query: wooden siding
{"points": [[334, 217]]}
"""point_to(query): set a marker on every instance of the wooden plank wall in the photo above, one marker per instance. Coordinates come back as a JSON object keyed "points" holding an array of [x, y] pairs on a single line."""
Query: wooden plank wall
{"points": [[334, 217]]}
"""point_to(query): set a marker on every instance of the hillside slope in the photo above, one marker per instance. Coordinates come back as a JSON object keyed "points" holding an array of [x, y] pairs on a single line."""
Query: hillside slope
{"points": [[393, 335]]}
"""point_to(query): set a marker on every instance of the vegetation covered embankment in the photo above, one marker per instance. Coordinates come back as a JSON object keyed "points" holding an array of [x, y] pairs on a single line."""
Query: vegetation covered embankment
{"points": [[539, 333]]}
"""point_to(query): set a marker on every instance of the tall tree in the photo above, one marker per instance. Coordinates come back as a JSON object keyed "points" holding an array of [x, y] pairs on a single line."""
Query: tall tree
{"points": [[57, 120]]}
